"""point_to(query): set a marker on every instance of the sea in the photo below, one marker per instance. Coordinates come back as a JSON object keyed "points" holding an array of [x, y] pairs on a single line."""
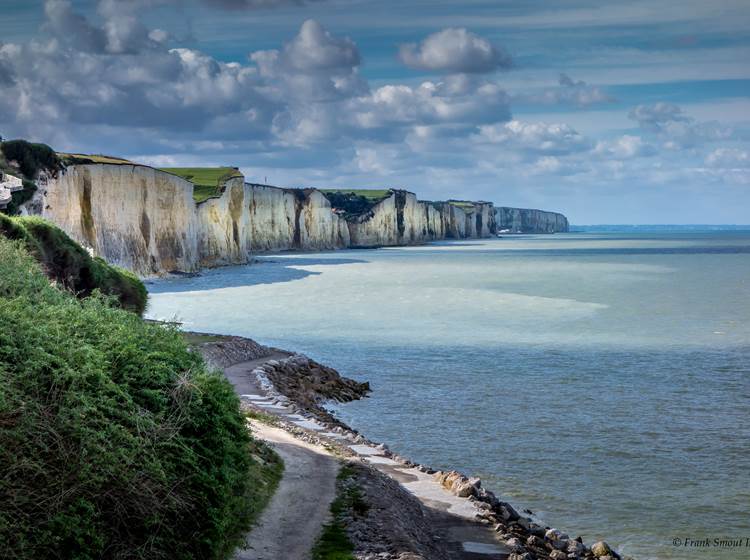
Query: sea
{"points": [[598, 380]]}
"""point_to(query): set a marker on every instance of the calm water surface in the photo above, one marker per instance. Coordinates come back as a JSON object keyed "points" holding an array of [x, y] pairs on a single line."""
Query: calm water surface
{"points": [[603, 381]]}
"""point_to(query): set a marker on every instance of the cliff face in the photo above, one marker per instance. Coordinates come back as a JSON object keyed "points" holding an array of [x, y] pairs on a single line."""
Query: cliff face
{"points": [[146, 220], [133, 216], [522, 220], [224, 226]]}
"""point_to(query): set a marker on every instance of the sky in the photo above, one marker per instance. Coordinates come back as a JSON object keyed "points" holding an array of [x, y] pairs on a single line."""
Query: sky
{"points": [[610, 112]]}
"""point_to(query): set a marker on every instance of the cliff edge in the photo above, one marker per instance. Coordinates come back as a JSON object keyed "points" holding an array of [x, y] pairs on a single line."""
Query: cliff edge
{"points": [[153, 221]]}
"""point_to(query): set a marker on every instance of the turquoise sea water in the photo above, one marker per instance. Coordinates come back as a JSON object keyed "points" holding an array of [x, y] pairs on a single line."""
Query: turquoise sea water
{"points": [[601, 380]]}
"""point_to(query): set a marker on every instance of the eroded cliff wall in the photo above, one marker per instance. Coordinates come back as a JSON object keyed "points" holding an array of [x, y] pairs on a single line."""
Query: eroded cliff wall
{"points": [[524, 220], [132, 216], [147, 221]]}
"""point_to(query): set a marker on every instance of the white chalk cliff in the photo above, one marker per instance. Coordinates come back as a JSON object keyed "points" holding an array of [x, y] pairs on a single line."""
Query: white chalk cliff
{"points": [[146, 220]]}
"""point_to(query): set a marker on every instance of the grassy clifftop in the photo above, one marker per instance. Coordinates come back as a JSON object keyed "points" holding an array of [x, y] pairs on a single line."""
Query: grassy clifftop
{"points": [[353, 202], [115, 440], [208, 181]]}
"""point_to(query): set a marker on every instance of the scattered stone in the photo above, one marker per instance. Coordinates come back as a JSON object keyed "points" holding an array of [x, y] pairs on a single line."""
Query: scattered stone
{"points": [[575, 547], [535, 541], [458, 484], [601, 549]]}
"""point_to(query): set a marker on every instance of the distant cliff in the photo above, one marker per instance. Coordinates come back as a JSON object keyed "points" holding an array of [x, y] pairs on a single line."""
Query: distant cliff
{"points": [[523, 220]]}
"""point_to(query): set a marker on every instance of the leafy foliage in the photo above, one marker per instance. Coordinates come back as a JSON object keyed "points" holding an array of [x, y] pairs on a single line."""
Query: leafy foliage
{"points": [[31, 158], [68, 264], [115, 440], [355, 202]]}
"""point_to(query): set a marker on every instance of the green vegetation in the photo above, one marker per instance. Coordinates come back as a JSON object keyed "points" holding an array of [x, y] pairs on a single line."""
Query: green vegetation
{"points": [[115, 440], [208, 181], [82, 159], [69, 265], [463, 204], [264, 417], [373, 195], [333, 543], [31, 158], [355, 202]]}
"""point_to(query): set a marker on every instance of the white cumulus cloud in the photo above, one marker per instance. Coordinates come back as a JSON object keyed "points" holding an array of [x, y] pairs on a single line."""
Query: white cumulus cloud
{"points": [[454, 50]]}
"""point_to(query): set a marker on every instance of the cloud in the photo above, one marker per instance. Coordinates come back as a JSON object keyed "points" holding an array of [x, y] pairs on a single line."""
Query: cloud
{"points": [[658, 116], [677, 129], [580, 93], [568, 92], [547, 138], [728, 165], [451, 100], [313, 66], [70, 28], [454, 50], [729, 158], [624, 147]]}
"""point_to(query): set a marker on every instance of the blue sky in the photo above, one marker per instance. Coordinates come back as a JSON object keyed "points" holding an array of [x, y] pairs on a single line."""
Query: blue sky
{"points": [[633, 112]]}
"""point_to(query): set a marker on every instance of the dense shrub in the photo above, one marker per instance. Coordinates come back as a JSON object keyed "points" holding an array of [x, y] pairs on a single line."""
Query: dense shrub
{"points": [[31, 158], [351, 203], [68, 264], [115, 441]]}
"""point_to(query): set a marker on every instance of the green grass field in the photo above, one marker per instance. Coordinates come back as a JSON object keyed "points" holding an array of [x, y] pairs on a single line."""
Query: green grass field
{"points": [[208, 181]]}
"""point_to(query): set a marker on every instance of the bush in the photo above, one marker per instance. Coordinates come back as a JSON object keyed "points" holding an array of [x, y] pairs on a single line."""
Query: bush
{"points": [[115, 441], [68, 264], [31, 158]]}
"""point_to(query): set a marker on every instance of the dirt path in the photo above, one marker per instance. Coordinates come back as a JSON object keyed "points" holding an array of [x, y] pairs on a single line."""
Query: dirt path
{"points": [[293, 520], [291, 523]]}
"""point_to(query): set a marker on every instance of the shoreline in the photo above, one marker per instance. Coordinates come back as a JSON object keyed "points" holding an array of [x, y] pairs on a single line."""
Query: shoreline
{"points": [[293, 390]]}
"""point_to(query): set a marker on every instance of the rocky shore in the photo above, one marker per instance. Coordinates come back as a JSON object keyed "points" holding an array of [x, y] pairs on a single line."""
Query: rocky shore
{"points": [[399, 522]]}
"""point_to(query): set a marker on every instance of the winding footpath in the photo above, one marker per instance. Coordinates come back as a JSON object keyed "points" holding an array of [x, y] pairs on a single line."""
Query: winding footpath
{"points": [[293, 519], [289, 526], [298, 510]]}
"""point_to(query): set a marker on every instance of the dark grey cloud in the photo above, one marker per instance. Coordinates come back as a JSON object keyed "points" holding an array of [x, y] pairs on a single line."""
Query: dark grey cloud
{"points": [[676, 128], [568, 92], [454, 50], [658, 115]]}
